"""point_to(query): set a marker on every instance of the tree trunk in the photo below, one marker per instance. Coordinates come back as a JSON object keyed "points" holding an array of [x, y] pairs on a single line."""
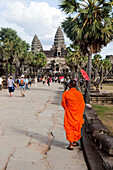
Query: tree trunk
{"points": [[30, 71], [10, 69], [15, 72], [20, 72], [101, 76], [6, 73], [95, 74], [87, 92], [40, 69]]}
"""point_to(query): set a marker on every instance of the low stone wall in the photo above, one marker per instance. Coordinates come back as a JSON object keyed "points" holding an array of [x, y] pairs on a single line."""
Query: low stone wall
{"points": [[101, 140], [102, 98]]}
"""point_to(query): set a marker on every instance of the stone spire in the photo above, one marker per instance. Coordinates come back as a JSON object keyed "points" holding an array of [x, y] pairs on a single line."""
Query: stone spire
{"points": [[59, 38], [59, 46], [36, 45]]}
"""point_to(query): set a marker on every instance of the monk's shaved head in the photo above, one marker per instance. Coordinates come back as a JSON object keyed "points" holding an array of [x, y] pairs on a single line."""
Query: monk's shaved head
{"points": [[72, 83]]}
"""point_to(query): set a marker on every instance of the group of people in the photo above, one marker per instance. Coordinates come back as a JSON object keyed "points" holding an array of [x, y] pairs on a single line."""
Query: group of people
{"points": [[21, 82], [49, 80]]}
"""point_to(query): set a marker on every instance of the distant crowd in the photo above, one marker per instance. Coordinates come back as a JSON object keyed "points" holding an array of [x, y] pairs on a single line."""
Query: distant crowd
{"points": [[24, 82]]}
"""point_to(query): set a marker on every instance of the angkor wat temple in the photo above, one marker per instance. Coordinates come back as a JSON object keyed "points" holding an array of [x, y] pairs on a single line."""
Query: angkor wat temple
{"points": [[56, 55]]}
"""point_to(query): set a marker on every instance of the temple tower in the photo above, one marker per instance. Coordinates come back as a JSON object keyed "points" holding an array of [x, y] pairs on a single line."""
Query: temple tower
{"points": [[59, 45], [36, 45], [56, 55]]}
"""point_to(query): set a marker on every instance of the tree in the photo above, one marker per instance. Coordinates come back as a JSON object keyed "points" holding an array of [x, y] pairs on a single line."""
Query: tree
{"points": [[107, 66], [13, 49], [30, 60], [39, 60], [97, 61], [23, 52], [91, 28], [98, 71], [75, 59]]}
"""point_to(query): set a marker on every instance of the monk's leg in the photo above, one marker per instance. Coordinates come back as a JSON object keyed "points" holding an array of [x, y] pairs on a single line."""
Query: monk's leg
{"points": [[70, 147], [75, 144]]}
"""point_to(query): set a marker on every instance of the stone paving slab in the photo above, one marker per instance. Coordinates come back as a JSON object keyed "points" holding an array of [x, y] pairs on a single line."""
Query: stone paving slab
{"points": [[31, 131], [4, 154]]}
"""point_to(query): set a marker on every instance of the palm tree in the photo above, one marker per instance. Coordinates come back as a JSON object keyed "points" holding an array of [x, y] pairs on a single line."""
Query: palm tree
{"points": [[98, 70], [91, 28], [13, 49], [107, 66], [23, 54], [8, 38], [75, 59], [30, 60], [97, 61], [40, 60]]}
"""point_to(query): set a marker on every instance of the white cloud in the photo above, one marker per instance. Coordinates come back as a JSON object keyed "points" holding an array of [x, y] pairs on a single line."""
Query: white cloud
{"points": [[34, 18], [108, 50]]}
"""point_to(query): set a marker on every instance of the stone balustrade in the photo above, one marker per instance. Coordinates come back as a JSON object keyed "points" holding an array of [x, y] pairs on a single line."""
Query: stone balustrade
{"points": [[101, 142]]}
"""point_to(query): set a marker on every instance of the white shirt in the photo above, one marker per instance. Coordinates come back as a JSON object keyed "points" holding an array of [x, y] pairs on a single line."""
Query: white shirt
{"points": [[1, 80], [26, 80], [10, 83]]}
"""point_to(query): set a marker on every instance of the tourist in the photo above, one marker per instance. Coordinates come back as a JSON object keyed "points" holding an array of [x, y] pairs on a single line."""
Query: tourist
{"points": [[66, 83], [18, 80], [73, 104], [1, 83], [43, 80], [48, 81], [30, 80], [22, 84], [59, 80], [11, 84], [35, 81], [56, 79], [26, 87]]}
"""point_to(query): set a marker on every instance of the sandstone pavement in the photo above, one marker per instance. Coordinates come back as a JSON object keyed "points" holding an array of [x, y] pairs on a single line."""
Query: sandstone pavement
{"points": [[32, 136]]}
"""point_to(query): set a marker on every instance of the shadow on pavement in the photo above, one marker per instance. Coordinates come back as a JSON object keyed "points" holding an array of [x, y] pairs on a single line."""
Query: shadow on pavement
{"points": [[41, 138]]}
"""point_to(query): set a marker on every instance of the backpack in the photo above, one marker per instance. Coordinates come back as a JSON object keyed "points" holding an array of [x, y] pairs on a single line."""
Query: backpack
{"points": [[22, 82]]}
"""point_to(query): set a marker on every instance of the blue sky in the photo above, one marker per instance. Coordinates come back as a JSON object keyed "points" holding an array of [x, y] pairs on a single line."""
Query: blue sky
{"points": [[30, 17]]}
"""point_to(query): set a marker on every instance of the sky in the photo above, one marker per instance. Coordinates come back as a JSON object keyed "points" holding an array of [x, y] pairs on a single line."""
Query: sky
{"points": [[30, 17]]}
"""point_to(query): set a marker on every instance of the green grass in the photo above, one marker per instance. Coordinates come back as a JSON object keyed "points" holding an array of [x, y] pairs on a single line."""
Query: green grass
{"points": [[107, 84], [105, 114], [108, 87]]}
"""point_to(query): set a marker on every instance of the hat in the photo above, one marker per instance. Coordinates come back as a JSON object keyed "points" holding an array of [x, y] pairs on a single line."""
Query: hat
{"points": [[22, 75]]}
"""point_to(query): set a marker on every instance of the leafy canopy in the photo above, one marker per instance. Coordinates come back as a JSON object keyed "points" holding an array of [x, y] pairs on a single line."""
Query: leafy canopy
{"points": [[92, 26]]}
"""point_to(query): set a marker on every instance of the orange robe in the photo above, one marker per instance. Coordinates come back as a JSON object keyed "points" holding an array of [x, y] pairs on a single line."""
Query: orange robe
{"points": [[73, 103]]}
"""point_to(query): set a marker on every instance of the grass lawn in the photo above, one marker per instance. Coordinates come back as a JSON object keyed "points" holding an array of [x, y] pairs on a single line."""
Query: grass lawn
{"points": [[107, 87], [105, 114]]}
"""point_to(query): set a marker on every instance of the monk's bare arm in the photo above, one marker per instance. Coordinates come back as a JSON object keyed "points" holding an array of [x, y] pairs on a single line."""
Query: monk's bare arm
{"points": [[63, 103]]}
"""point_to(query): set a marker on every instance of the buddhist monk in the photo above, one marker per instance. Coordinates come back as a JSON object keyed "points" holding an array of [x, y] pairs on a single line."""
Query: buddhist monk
{"points": [[73, 104]]}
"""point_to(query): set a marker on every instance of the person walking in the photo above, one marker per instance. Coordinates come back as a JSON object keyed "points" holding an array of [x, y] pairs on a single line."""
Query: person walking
{"points": [[66, 83], [30, 80], [1, 82], [26, 87], [11, 84], [73, 104], [22, 84], [48, 81], [43, 80]]}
